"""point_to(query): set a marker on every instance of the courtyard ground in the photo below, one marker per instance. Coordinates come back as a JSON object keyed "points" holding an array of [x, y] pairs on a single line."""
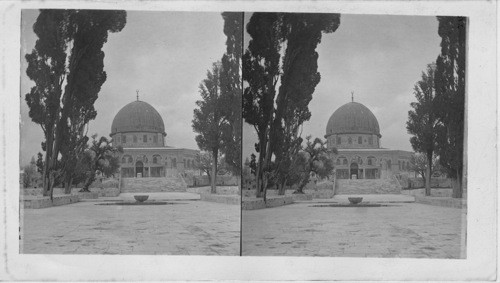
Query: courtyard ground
{"points": [[409, 230], [186, 227]]}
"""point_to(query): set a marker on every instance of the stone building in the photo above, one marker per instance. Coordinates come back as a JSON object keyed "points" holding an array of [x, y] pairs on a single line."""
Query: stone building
{"points": [[355, 132], [140, 130]]}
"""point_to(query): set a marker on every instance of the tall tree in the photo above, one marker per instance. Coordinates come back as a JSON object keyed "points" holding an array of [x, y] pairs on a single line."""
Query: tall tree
{"points": [[231, 90], [261, 71], [422, 121], [277, 115], [450, 98], [209, 120], [67, 68]]}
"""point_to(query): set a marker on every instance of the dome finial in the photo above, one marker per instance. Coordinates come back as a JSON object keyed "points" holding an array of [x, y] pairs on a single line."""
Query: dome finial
{"points": [[352, 96], [137, 91]]}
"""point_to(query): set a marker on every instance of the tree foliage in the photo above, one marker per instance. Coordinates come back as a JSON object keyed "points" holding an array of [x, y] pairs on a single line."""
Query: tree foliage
{"points": [[101, 158], [422, 120], [420, 165], [209, 120], [231, 91], [450, 97], [314, 158], [67, 68], [278, 111]]}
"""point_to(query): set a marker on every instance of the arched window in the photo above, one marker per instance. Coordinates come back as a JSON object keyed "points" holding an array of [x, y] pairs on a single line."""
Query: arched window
{"points": [[338, 161], [344, 162], [130, 159], [124, 160], [155, 159], [174, 163], [124, 138], [145, 138], [339, 140], [360, 140], [349, 140], [403, 165], [371, 160]]}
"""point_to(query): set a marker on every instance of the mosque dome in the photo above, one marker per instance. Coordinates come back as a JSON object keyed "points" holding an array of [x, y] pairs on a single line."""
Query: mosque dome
{"points": [[353, 118], [138, 116]]}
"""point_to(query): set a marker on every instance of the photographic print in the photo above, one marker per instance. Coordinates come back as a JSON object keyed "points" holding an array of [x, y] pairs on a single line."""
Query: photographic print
{"points": [[354, 135], [130, 132]]}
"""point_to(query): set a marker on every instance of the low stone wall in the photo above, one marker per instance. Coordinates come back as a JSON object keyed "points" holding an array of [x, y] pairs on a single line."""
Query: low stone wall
{"points": [[43, 202], [442, 201], [301, 197], [320, 194], [434, 192], [226, 190], [101, 192], [258, 203], [435, 182], [226, 199], [221, 181], [87, 195]]}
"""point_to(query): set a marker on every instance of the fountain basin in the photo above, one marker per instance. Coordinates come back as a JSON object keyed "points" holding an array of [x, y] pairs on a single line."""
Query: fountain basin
{"points": [[141, 198]]}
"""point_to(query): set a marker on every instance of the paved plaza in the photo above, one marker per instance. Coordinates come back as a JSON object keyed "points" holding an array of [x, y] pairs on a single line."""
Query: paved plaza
{"points": [[409, 230], [186, 227]]}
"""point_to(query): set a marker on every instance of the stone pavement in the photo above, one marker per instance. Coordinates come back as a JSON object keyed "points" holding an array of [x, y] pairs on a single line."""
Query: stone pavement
{"points": [[396, 230], [185, 228]]}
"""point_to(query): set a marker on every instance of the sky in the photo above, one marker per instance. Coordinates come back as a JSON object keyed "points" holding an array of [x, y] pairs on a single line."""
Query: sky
{"points": [[379, 58], [164, 55]]}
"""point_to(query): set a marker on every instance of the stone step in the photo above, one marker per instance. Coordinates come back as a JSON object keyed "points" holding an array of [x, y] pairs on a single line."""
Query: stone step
{"points": [[367, 186], [151, 185]]}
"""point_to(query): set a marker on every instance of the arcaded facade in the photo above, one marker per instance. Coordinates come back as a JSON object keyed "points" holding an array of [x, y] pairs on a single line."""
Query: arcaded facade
{"points": [[355, 132], [140, 130]]}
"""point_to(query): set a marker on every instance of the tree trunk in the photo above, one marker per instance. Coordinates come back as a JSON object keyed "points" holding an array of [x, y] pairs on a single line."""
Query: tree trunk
{"points": [[281, 187], [428, 171], [89, 182], [213, 180], [260, 169], [68, 185], [457, 186]]}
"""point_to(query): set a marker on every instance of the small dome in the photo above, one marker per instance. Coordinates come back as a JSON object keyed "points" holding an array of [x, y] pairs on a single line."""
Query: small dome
{"points": [[138, 116], [353, 118]]}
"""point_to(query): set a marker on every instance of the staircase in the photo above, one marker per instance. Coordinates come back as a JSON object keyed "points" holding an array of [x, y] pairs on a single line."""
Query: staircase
{"points": [[153, 185], [367, 186]]}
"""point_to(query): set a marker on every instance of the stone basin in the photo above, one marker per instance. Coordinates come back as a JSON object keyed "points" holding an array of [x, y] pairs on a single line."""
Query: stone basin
{"points": [[141, 198], [355, 200]]}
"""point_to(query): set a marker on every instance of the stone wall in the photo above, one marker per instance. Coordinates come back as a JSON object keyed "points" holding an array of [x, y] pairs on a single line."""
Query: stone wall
{"points": [[29, 202], [446, 192], [226, 199], [435, 183], [200, 181], [254, 203], [226, 190], [101, 192]]}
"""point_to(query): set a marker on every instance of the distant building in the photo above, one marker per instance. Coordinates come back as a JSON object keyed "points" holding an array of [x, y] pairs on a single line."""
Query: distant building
{"points": [[355, 132], [140, 130]]}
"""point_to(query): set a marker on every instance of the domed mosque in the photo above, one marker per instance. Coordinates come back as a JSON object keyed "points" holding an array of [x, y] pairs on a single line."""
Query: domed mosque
{"points": [[140, 130], [355, 132]]}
